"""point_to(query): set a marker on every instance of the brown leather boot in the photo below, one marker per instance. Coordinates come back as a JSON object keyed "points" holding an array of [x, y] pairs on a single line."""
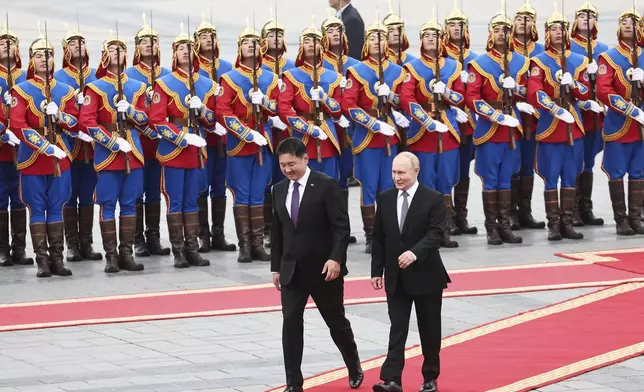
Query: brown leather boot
{"points": [[127, 225], [635, 196], [268, 218], [140, 248], [513, 212], [242, 225], [586, 202], [618, 200], [446, 240], [218, 216], [526, 220], [345, 195], [108, 234], [85, 226], [191, 228], [491, 211], [567, 203], [175, 230], [368, 221], [257, 251], [204, 230], [70, 217], [5, 250], [504, 228], [153, 231], [56, 238], [461, 192], [576, 207], [39, 241], [18, 237], [551, 198]]}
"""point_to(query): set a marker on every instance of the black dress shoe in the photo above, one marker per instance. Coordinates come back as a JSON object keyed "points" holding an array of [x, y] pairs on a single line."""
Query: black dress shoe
{"points": [[429, 386], [356, 380], [294, 389], [387, 386]]}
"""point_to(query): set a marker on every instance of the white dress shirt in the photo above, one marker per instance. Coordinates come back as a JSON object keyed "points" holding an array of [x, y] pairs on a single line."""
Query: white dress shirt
{"points": [[399, 202], [302, 181], [338, 14]]}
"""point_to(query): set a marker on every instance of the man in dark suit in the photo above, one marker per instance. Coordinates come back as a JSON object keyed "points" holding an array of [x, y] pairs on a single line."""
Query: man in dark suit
{"points": [[353, 23], [310, 237], [410, 220]]}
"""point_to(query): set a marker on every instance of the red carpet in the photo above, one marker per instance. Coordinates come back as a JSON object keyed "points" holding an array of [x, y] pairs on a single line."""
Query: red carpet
{"points": [[264, 298], [628, 260], [526, 351]]}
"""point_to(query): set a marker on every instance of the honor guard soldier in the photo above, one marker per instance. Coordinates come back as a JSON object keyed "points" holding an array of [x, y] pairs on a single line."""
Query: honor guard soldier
{"points": [[310, 107], [146, 58], [457, 47], [619, 83], [525, 39], [584, 35], [495, 77], [114, 113], [78, 213], [42, 108], [179, 115], [212, 67], [335, 57], [397, 38], [426, 95], [560, 150], [274, 47], [368, 98], [247, 108], [11, 73]]}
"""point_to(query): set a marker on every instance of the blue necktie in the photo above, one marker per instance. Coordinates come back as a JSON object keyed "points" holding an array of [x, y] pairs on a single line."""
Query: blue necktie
{"points": [[295, 202]]}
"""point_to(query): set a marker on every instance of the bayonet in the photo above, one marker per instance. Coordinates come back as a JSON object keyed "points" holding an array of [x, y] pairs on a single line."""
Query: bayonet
{"points": [[316, 108], [81, 80], [9, 83], [256, 108], [384, 105]]}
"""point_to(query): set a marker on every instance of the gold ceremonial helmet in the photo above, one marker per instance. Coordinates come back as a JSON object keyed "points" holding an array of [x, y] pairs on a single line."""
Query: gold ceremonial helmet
{"points": [[113, 40], [247, 33], [499, 20], [334, 21], [331, 21], [71, 34], [456, 15], [557, 18], [6, 33], [271, 24], [145, 31], [182, 38], [431, 24], [527, 9], [392, 19], [378, 28], [630, 13], [587, 7], [40, 45], [205, 27], [310, 32]]}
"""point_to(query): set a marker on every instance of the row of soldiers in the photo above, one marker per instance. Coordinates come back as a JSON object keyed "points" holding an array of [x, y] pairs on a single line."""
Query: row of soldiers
{"points": [[125, 135]]}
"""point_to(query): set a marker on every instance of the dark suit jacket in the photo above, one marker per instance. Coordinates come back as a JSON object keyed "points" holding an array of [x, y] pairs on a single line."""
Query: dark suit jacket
{"points": [[354, 26], [421, 234], [321, 234]]}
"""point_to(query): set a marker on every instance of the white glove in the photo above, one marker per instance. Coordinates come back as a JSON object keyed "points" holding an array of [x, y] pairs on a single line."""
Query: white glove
{"points": [[509, 121], [509, 83], [258, 138], [85, 137], [52, 109], [439, 88], [595, 107], [58, 153], [565, 116], [400, 120], [122, 106], [276, 122], [220, 130], [525, 107], [343, 82], [343, 122], [279, 84], [194, 140], [195, 103], [13, 140], [461, 116], [440, 127], [385, 128], [7, 98], [637, 75], [123, 144], [218, 88], [321, 134], [464, 77], [317, 94], [592, 68], [80, 98], [257, 97], [566, 79], [384, 90]]}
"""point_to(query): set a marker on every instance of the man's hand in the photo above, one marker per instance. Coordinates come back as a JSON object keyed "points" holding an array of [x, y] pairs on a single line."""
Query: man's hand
{"points": [[276, 281], [331, 269], [405, 259], [376, 283]]}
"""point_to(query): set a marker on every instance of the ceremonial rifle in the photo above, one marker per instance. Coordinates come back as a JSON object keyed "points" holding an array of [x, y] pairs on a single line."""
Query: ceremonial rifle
{"points": [[194, 115], [507, 94], [461, 59], [213, 76], [51, 120], [565, 90], [384, 105], [636, 89], [437, 96], [9, 83], [593, 80], [81, 81], [403, 132], [153, 68], [317, 120], [276, 132], [120, 120], [256, 108], [343, 140], [527, 129]]}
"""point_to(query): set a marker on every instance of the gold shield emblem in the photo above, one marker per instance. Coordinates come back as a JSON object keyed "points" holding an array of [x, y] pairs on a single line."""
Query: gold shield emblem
{"points": [[156, 98]]}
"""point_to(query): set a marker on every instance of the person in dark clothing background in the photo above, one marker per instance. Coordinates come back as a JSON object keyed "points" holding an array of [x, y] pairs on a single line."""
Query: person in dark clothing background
{"points": [[353, 24]]}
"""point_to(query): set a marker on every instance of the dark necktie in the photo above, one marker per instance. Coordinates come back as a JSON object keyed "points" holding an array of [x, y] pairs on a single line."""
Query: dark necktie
{"points": [[295, 202], [404, 210]]}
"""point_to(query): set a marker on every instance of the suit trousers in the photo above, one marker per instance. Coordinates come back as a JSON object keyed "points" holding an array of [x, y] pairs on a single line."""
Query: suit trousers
{"points": [[328, 296], [428, 314]]}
